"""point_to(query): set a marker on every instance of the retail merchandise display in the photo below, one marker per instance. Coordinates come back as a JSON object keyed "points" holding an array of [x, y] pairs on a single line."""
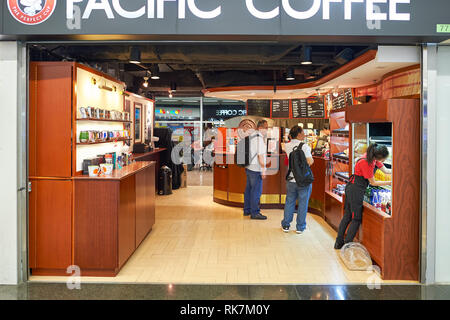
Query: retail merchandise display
{"points": [[103, 114], [380, 198]]}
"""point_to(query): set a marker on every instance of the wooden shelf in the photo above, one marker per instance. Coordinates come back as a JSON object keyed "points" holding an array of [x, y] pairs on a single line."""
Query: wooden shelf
{"points": [[340, 178], [341, 160], [335, 196], [100, 142], [103, 120], [384, 215]]}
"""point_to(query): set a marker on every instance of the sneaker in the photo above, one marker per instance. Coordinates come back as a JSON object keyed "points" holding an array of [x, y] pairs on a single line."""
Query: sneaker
{"points": [[338, 245], [246, 214], [285, 229], [259, 216], [299, 232]]}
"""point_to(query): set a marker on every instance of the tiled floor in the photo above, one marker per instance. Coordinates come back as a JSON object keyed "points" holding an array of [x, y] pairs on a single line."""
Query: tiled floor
{"points": [[200, 178], [196, 241], [44, 291]]}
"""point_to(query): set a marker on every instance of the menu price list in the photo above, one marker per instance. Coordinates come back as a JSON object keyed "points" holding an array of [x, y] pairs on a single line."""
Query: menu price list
{"points": [[308, 108], [343, 100], [259, 108], [280, 109]]}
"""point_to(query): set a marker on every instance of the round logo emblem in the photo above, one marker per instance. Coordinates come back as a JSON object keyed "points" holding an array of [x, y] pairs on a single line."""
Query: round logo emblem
{"points": [[31, 12]]}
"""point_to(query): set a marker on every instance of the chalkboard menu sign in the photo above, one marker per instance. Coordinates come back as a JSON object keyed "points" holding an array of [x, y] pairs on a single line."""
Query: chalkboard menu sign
{"points": [[280, 109], [260, 108], [313, 107], [343, 100]]}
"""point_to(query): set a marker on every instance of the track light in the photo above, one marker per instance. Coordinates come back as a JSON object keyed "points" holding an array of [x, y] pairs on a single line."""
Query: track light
{"points": [[155, 72], [145, 82], [135, 55], [173, 86], [306, 55], [290, 74]]}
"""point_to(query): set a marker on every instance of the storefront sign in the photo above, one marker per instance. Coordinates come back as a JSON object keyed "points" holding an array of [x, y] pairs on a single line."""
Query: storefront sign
{"points": [[225, 17]]}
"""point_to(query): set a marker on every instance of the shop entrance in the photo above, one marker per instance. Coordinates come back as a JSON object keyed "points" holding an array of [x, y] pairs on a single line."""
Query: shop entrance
{"points": [[112, 103]]}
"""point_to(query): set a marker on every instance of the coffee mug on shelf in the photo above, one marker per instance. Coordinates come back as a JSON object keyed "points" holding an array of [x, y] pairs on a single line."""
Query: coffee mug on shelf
{"points": [[89, 112], [84, 136], [92, 136], [83, 113]]}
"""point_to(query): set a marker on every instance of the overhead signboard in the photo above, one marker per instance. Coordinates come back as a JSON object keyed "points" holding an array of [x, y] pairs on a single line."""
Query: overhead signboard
{"points": [[418, 18]]}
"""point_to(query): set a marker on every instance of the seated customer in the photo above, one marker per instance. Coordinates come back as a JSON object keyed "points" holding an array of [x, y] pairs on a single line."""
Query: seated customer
{"points": [[294, 192]]}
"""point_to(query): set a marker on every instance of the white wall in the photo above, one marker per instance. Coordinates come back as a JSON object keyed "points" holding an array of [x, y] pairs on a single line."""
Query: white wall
{"points": [[8, 164], [442, 254]]}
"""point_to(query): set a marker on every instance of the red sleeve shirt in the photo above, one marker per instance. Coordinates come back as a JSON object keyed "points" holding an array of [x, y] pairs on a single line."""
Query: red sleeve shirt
{"points": [[366, 170]]}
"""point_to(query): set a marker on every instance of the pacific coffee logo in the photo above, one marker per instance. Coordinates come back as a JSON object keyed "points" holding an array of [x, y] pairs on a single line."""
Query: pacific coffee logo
{"points": [[31, 12]]}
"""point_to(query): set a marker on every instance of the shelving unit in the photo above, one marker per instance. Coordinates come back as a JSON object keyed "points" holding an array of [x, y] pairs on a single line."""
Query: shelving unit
{"points": [[393, 240], [339, 142], [100, 142], [103, 120]]}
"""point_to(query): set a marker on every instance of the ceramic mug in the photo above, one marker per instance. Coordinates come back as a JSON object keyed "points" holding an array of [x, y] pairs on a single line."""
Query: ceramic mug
{"points": [[89, 112], [92, 136], [83, 113], [84, 136]]}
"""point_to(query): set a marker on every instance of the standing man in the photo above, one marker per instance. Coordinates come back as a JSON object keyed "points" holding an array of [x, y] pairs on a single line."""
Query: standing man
{"points": [[293, 191], [256, 171]]}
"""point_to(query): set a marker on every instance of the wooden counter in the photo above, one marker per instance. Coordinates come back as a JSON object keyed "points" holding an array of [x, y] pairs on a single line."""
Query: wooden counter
{"points": [[154, 155], [230, 182], [112, 217], [95, 223]]}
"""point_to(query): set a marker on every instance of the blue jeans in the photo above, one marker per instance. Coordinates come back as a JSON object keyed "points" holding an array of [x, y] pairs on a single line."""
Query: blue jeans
{"points": [[301, 194], [253, 191]]}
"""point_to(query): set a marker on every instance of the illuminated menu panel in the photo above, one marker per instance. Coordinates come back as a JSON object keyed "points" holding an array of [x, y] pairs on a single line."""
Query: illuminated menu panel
{"points": [[313, 107]]}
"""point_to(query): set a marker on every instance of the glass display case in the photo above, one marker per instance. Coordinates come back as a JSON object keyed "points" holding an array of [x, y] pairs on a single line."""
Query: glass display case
{"points": [[365, 134]]}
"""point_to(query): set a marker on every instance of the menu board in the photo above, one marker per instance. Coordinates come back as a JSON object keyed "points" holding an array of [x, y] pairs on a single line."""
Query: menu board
{"points": [[260, 108], [343, 100], [280, 109], [313, 107]]}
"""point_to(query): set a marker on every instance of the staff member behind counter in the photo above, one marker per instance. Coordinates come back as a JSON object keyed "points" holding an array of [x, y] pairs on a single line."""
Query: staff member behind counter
{"points": [[355, 189]]}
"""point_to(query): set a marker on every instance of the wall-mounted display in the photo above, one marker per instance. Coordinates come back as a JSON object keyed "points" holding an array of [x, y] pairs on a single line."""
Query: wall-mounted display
{"points": [[280, 109], [313, 107], [260, 108]]}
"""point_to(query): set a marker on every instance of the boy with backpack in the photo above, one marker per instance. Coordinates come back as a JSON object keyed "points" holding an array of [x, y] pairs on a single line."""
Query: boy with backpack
{"points": [[298, 180]]}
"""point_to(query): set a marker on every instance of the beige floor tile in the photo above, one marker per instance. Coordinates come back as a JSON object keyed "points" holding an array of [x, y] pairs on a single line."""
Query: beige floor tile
{"points": [[196, 241]]}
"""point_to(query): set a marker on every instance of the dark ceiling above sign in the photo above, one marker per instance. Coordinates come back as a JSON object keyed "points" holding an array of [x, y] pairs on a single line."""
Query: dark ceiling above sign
{"points": [[194, 67]]}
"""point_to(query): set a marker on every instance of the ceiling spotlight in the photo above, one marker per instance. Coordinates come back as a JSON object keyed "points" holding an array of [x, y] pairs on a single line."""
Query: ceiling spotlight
{"points": [[173, 86], [155, 72], [336, 92], [290, 74], [306, 55], [135, 55], [145, 82]]}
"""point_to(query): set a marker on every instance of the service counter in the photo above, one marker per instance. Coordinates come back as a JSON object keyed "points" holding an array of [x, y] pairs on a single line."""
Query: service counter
{"points": [[230, 182]]}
